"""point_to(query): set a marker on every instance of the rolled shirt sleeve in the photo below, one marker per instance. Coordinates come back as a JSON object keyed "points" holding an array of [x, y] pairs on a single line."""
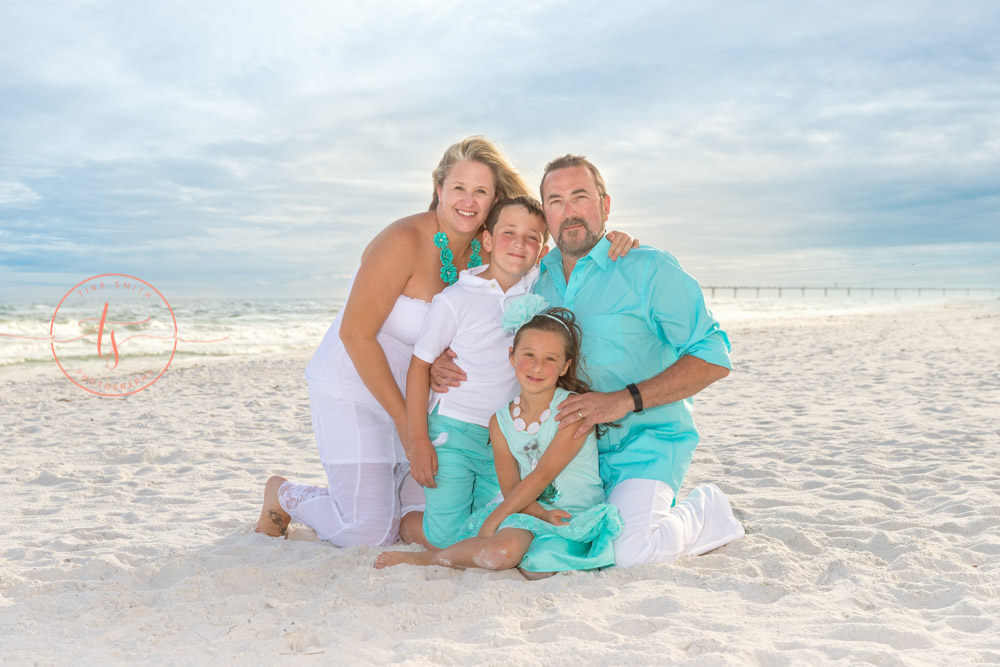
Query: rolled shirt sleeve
{"points": [[679, 314]]}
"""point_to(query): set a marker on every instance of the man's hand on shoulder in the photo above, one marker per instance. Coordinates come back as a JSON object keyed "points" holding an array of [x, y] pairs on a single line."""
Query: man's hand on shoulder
{"points": [[445, 372], [585, 411]]}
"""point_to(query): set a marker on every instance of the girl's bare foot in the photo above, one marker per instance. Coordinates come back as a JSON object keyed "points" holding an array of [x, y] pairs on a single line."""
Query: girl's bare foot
{"points": [[273, 520], [390, 558]]}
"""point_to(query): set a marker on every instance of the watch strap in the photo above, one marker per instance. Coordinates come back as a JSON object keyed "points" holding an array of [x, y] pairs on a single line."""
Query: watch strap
{"points": [[636, 396]]}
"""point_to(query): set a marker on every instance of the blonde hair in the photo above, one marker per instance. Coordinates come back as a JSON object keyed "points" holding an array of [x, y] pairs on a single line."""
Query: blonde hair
{"points": [[508, 182]]}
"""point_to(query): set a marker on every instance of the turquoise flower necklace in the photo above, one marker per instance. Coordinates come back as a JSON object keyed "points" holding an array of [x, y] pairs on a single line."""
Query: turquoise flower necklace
{"points": [[449, 274]]}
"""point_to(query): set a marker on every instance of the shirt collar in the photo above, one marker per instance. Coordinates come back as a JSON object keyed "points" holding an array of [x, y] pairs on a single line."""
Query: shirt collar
{"points": [[598, 254], [470, 277], [552, 260], [474, 272]]}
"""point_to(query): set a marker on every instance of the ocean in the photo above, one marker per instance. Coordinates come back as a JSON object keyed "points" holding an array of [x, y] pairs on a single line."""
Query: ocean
{"points": [[204, 329], [235, 328]]}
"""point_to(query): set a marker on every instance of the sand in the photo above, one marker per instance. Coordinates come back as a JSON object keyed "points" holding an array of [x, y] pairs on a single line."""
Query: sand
{"points": [[861, 452]]}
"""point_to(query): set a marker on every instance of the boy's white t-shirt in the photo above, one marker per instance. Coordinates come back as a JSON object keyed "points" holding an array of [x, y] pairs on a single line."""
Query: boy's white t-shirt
{"points": [[466, 317]]}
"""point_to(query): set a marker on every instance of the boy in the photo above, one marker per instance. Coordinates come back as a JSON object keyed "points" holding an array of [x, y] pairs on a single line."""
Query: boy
{"points": [[449, 450]]}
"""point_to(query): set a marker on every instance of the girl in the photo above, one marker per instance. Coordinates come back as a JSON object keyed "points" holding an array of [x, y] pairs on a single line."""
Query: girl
{"points": [[553, 516]]}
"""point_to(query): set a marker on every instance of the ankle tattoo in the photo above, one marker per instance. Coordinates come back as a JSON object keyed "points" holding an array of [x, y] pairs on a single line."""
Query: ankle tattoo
{"points": [[277, 520]]}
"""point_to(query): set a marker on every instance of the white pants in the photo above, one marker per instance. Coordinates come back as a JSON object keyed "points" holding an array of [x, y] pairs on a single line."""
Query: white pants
{"points": [[362, 505], [369, 488], [655, 532]]}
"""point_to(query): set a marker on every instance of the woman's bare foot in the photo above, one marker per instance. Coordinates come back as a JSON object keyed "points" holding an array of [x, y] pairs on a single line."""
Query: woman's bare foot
{"points": [[390, 558], [273, 520]]}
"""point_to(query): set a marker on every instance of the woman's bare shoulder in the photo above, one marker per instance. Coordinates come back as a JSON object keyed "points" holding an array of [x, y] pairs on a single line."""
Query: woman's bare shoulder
{"points": [[404, 236]]}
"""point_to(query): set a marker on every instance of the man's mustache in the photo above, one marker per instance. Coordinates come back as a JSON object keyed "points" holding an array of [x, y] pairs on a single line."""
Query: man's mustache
{"points": [[571, 222]]}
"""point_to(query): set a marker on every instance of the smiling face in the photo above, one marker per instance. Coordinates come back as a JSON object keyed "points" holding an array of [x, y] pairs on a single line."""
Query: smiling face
{"points": [[465, 197], [515, 244], [539, 360], [574, 210]]}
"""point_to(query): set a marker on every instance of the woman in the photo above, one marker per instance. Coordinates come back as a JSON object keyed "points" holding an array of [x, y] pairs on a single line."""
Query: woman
{"points": [[356, 374]]}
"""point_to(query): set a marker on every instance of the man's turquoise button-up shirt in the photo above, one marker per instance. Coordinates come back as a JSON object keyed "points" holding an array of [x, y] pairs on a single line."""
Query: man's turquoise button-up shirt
{"points": [[638, 315]]}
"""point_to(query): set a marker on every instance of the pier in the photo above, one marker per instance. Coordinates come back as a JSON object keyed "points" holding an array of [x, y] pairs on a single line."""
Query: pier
{"points": [[942, 291]]}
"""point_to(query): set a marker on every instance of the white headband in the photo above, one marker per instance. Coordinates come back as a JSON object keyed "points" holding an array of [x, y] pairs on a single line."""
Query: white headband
{"points": [[557, 319]]}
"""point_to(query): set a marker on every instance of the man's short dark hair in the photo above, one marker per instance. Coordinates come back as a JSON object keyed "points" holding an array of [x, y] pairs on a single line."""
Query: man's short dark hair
{"points": [[574, 161]]}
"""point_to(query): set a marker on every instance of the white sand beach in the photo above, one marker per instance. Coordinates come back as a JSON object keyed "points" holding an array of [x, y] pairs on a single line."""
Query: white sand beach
{"points": [[861, 452]]}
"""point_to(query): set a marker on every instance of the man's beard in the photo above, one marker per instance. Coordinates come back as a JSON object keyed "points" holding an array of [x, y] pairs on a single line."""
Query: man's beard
{"points": [[580, 247]]}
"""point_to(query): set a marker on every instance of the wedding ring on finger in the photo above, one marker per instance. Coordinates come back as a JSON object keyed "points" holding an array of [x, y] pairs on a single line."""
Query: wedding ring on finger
{"points": [[580, 413]]}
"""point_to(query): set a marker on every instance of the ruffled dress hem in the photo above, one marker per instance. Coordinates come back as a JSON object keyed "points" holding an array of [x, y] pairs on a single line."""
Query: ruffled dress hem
{"points": [[584, 543]]}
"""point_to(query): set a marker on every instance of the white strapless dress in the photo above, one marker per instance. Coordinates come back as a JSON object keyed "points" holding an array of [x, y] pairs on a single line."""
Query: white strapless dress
{"points": [[332, 373]]}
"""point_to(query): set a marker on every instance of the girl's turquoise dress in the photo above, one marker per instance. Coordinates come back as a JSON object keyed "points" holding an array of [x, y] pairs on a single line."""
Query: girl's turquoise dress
{"points": [[585, 542]]}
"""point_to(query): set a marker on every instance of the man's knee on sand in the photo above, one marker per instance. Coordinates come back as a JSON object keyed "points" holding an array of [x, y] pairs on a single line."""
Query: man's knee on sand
{"points": [[642, 546], [645, 506]]}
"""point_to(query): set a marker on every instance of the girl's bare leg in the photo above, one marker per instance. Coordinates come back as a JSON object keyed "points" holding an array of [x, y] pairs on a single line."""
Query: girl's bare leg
{"points": [[273, 520], [502, 551]]}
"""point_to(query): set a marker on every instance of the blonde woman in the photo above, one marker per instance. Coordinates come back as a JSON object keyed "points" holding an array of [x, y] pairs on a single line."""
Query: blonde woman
{"points": [[356, 375]]}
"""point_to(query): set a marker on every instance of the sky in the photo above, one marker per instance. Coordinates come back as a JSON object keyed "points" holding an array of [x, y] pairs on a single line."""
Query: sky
{"points": [[251, 149]]}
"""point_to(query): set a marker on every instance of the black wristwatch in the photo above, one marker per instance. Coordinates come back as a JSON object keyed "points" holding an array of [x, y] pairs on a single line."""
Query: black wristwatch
{"points": [[636, 397]]}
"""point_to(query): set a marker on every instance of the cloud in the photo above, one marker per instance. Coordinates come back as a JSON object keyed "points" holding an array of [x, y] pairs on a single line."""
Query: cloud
{"points": [[17, 195], [225, 145], [940, 265]]}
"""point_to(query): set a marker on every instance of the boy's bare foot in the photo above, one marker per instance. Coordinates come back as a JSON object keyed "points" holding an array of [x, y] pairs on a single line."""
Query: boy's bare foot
{"points": [[273, 520], [390, 558]]}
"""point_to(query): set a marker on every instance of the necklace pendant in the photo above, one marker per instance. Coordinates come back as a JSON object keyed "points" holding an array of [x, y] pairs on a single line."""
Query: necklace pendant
{"points": [[449, 273], [474, 259], [523, 426]]}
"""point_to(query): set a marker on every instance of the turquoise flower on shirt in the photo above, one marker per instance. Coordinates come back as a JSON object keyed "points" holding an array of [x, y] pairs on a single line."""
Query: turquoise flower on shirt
{"points": [[519, 311]]}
